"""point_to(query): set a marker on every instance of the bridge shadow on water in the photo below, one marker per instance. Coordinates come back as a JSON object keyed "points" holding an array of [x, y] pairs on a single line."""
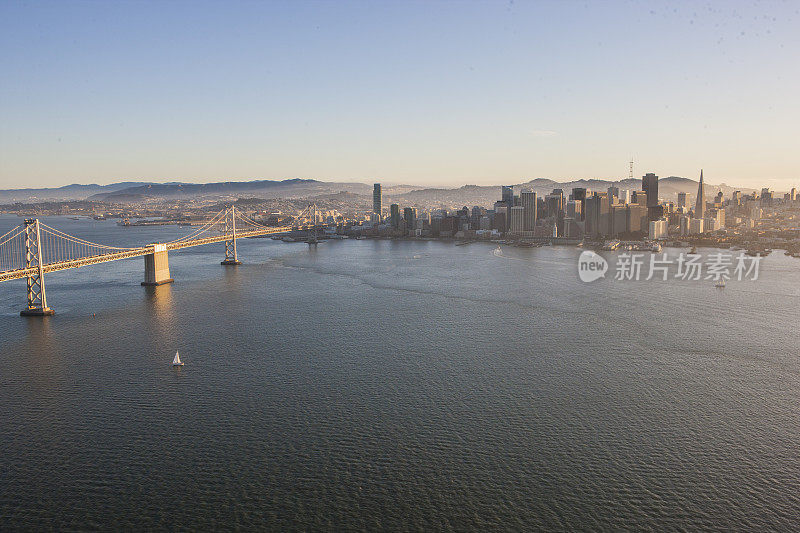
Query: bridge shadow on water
{"points": [[160, 306]]}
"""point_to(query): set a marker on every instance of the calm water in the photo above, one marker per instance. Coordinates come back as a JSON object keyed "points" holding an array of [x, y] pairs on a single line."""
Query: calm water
{"points": [[399, 385]]}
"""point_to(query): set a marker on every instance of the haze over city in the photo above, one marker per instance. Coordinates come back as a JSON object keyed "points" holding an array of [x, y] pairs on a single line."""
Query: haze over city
{"points": [[417, 93]]}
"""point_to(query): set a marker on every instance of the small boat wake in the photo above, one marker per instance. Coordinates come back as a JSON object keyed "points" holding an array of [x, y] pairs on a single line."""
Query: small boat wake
{"points": [[498, 252]]}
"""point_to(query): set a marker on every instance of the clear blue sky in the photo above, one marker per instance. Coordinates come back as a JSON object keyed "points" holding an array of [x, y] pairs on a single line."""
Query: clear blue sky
{"points": [[403, 92]]}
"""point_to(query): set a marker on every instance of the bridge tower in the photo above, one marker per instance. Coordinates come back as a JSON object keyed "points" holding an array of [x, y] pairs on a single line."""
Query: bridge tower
{"points": [[231, 257], [156, 267], [37, 298]]}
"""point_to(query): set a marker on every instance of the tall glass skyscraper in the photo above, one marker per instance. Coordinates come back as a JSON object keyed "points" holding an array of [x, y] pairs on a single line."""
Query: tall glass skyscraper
{"points": [[376, 200]]}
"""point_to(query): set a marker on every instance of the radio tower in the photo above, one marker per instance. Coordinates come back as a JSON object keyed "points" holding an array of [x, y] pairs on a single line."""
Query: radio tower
{"points": [[630, 172]]}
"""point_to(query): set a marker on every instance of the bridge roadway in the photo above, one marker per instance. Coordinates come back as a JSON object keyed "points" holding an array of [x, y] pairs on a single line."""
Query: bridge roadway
{"points": [[136, 252]]}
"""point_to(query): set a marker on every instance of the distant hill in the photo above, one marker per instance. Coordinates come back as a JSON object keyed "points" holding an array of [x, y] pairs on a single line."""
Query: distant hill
{"points": [[469, 195], [68, 192], [259, 188]]}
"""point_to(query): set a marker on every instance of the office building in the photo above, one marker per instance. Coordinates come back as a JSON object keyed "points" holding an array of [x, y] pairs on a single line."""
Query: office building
{"points": [[684, 226], [394, 215], [574, 210], [637, 218], [598, 215], [528, 202], [619, 219], [766, 197], [650, 188], [410, 216], [517, 219], [579, 196], [658, 229], [682, 199], [639, 197], [376, 200], [507, 195], [700, 202], [555, 203]]}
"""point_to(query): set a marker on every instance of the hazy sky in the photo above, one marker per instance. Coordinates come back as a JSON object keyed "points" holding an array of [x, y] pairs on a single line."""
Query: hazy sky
{"points": [[403, 92]]}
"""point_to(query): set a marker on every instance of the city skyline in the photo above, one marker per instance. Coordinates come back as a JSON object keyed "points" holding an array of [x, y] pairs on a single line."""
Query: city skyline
{"points": [[97, 93]]}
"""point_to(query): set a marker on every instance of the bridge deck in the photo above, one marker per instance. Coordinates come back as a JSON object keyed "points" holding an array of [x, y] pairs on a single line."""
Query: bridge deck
{"points": [[135, 252]]}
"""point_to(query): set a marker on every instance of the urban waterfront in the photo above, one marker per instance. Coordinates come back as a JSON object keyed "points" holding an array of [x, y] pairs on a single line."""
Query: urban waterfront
{"points": [[400, 385]]}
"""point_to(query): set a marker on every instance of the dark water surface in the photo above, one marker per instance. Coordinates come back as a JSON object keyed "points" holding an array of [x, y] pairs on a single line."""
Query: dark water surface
{"points": [[400, 385]]}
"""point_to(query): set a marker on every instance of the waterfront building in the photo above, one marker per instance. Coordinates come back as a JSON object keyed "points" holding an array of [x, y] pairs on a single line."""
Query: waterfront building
{"points": [[517, 219], [410, 216], [475, 218], [501, 218]]}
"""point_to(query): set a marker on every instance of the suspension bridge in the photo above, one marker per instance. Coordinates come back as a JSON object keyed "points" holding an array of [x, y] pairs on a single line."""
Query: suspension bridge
{"points": [[34, 249]]}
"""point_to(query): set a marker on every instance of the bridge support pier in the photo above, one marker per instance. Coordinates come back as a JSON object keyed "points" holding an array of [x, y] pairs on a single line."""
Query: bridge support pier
{"points": [[231, 257], [156, 267], [37, 298]]}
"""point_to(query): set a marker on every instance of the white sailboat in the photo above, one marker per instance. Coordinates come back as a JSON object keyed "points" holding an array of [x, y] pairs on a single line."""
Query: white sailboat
{"points": [[177, 361]]}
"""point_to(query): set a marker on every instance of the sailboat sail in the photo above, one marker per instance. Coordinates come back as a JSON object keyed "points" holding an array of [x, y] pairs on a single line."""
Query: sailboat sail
{"points": [[177, 360]]}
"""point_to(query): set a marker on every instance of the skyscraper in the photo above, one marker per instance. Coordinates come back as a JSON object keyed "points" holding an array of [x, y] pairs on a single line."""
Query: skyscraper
{"points": [[376, 200], [555, 203], [650, 187], [766, 197], [508, 195], [793, 194], [528, 201], [517, 219], [639, 197], [682, 199], [410, 216], [394, 214], [579, 195], [700, 203]]}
